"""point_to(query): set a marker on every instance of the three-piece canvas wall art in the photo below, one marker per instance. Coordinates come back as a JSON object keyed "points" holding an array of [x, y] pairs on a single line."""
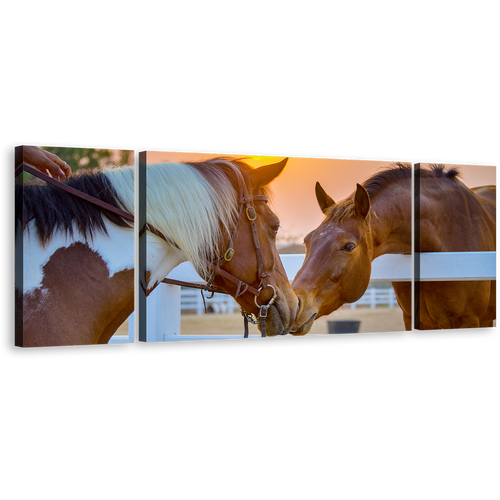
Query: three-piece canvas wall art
{"points": [[232, 247]]}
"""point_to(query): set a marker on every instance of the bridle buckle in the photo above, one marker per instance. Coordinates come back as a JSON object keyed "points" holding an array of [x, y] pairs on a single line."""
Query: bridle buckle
{"points": [[263, 311], [251, 213], [229, 254]]}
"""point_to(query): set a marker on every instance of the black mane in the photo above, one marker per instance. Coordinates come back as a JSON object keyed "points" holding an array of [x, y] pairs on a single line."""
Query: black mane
{"points": [[51, 208], [400, 171], [394, 173], [437, 171]]}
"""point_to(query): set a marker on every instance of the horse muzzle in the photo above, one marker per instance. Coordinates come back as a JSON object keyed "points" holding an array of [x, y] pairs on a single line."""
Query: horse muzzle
{"points": [[306, 314], [304, 327]]}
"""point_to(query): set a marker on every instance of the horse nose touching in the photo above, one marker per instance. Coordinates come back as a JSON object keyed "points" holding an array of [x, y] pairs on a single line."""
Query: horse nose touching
{"points": [[299, 305], [304, 317]]}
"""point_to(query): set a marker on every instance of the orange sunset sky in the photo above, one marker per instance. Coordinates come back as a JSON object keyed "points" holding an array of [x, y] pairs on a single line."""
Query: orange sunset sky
{"points": [[293, 195]]}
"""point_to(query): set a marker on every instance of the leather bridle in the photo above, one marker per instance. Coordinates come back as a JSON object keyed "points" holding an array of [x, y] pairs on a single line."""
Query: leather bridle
{"points": [[263, 275], [245, 206]]}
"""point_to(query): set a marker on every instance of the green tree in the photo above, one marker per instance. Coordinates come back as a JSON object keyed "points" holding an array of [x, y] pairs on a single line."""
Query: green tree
{"points": [[81, 157]]}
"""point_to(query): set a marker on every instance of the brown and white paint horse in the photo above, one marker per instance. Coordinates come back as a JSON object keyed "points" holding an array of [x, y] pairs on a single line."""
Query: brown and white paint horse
{"points": [[76, 284], [376, 220]]}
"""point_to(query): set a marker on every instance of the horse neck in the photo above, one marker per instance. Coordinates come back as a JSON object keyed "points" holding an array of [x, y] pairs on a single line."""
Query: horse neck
{"points": [[89, 283], [161, 258], [456, 219], [78, 292], [391, 220]]}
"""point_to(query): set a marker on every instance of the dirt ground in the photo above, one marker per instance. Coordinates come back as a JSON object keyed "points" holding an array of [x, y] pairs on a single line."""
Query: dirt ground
{"points": [[372, 320]]}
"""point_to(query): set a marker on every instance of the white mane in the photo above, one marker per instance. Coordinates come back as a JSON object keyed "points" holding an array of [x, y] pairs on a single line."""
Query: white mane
{"points": [[186, 207]]}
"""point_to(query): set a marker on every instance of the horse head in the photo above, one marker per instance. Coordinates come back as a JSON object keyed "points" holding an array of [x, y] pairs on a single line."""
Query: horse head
{"points": [[338, 259], [251, 255]]}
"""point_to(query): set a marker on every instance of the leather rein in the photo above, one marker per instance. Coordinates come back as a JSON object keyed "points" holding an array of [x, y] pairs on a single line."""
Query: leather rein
{"points": [[245, 204]]}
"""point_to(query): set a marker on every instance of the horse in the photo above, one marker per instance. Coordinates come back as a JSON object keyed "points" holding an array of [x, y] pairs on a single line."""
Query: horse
{"points": [[75, 260], [376, 220]]}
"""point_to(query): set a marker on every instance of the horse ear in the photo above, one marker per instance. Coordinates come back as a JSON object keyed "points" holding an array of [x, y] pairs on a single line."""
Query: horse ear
{"points": [[325, 202], [361, 201], [264, 175]]}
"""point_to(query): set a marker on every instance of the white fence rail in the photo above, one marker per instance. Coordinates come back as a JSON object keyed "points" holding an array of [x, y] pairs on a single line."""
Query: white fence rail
{"points": [[374, 297], [164, 303], [192, 300]]}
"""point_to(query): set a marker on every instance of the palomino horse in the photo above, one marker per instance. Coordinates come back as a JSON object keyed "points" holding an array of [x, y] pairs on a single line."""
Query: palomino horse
{"points": [[75, 283], [376, 220]]}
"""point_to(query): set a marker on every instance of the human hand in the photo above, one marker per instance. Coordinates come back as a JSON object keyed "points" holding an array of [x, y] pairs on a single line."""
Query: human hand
{"points": [[46, 162]]}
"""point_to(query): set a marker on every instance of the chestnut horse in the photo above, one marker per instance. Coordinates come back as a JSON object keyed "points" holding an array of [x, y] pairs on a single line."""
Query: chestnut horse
{"points": [[75, 260], [376, 220]]}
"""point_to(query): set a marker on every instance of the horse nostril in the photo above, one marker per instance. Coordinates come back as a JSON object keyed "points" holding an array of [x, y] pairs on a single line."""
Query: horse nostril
{"points": [[299, 306]]}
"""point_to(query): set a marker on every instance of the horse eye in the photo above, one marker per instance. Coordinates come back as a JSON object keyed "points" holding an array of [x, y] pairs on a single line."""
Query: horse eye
{"points": [[348, 247], [275, 229]]}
